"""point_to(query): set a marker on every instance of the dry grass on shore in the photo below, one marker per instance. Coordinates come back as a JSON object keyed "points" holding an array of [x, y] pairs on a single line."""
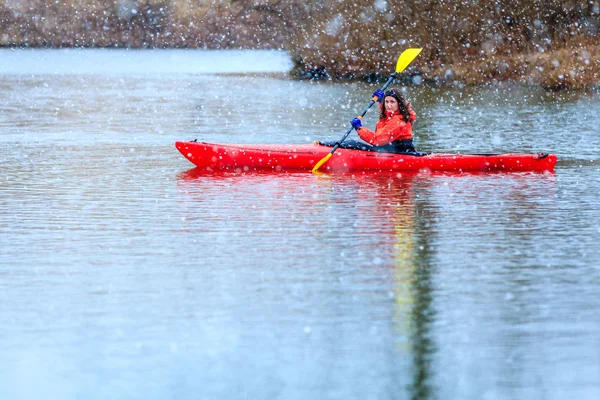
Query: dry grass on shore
{"points": [[563, 69]]}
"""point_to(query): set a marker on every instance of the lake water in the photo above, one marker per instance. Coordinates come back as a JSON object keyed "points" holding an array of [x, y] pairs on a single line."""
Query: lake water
{"points": [[127, 274]]}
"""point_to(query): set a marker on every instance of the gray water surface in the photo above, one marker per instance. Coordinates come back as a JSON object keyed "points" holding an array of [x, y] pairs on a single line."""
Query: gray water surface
{"points": [[127, 274]]}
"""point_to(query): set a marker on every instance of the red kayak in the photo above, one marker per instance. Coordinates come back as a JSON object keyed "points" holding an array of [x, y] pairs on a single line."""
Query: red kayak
{"points": [[303, 157]]}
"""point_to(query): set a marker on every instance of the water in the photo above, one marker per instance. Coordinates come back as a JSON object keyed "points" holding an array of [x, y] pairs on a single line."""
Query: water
{"points": [[125, 273]]}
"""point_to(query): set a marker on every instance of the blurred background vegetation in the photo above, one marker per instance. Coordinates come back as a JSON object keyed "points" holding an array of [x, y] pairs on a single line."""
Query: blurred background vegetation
{"points": [[552, 43]]}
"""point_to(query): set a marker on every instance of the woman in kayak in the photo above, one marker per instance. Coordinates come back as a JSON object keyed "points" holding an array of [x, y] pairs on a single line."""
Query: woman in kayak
{"points": [[393, 132]]}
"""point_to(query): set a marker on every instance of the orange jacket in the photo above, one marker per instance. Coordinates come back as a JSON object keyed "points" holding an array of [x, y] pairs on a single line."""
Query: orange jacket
{"points": [[389, 129]]}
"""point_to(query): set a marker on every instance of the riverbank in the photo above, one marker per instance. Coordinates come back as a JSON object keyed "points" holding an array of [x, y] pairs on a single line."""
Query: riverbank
{"points": [[534, 42], [547, 43], [562, 69]]}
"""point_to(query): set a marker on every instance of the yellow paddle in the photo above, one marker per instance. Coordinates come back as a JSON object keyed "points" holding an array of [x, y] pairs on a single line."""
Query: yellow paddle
{"points": [[405, 58]]}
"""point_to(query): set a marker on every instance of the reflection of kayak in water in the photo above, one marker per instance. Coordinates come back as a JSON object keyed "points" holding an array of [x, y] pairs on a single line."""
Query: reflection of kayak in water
{"points": [[303, 157]]}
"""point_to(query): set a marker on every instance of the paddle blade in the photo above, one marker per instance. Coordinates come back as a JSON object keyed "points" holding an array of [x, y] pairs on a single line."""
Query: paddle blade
{"points": [[406, 58], [320, 163]]}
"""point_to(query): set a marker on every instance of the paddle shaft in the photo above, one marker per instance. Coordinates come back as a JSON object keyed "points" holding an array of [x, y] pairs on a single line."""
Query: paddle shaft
{"points": [[388, 83]]}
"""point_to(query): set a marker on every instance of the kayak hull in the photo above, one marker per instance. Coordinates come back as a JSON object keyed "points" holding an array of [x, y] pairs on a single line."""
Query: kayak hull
{"points": [[303, 157]]}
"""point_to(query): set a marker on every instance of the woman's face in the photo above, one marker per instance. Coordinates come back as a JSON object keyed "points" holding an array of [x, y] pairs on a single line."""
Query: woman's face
{"points": [[391, 104]]}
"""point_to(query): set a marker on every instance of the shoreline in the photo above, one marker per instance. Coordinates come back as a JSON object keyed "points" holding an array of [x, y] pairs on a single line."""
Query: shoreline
{"points": [[554, 70]]}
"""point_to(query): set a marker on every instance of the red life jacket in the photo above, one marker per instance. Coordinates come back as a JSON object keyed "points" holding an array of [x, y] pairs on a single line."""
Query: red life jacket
{"points": [[389, 129]]}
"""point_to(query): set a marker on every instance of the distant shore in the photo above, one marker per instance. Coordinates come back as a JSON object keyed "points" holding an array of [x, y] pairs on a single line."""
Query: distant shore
{"points": [[555, 46]]}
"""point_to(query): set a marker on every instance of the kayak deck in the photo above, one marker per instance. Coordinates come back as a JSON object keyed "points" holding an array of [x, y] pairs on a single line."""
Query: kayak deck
{"points": [[303, 157]]}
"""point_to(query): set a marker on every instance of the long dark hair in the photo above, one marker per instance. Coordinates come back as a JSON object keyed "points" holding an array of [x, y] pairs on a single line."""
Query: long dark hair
{"points": [[402, 105]]}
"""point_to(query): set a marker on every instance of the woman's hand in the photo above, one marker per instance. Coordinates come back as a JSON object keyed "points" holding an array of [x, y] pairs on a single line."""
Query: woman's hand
{"points": [[379, 94], [356, 123]]}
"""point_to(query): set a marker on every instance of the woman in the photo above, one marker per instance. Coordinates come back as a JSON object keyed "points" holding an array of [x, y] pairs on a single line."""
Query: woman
{"points": [[393, 132]]}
